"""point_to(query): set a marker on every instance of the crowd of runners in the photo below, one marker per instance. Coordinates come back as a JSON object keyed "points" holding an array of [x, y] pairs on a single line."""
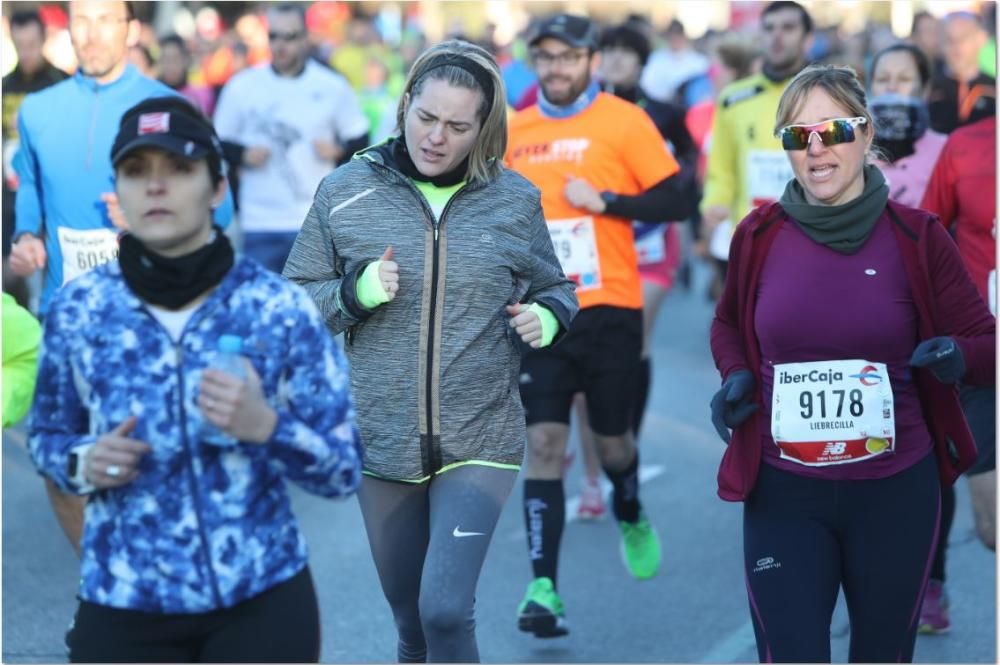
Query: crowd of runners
{"points": [[210, 295]]}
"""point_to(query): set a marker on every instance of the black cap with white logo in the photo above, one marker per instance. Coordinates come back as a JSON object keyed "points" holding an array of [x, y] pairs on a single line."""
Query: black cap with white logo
{"points": [[576, 31], [169, 123]]}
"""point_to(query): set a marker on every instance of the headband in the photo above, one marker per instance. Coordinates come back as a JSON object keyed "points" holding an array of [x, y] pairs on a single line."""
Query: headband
{"points": [[477, 71]]}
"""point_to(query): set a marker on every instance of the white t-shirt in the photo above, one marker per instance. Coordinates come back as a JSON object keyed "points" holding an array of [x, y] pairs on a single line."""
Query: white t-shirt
{"points": [[260, 108], [666, 70], [172, 320]]}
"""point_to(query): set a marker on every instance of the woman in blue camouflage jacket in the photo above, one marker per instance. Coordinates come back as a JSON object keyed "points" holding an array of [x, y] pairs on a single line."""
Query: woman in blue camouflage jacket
{"points": [[190, 550]]}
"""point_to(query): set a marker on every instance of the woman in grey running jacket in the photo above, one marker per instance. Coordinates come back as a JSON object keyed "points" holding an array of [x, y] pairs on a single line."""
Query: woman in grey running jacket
{"points": [[436, 262]]}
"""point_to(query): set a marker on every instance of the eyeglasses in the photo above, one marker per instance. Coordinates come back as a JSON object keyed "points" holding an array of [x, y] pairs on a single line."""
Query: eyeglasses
{"points": [[830, 132], [103, 23], [566, 58], [284, 36]]}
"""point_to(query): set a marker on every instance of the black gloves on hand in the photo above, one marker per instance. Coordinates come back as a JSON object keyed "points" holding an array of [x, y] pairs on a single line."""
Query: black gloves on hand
{"points": [[733, 404], [942, 356]]}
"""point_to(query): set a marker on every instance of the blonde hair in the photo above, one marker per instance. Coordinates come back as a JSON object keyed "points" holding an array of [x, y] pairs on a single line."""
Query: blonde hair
{"points": [[737, 52], [486, 157], [839, 82]]}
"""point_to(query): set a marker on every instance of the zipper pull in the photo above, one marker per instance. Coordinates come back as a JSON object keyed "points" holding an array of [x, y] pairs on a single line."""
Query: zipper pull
{"points": [[435, 233], [178, 353]]}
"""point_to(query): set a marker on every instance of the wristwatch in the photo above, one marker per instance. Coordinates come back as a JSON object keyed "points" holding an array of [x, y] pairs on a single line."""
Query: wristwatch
{"points": [[76, 467]]}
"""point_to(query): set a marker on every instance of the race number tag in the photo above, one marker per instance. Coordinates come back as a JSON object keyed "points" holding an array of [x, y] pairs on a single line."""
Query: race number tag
{"points": [[837, 412], [767, 174], [576, 246], [652, 247], [85, 250]]}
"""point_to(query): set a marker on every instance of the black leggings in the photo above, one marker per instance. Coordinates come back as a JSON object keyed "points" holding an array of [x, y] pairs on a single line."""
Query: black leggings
{"points": [[280, 625], [805, 538]]}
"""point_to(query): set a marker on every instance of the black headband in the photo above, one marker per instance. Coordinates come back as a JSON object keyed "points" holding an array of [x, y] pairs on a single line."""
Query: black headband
{"points": [[477, 71]]}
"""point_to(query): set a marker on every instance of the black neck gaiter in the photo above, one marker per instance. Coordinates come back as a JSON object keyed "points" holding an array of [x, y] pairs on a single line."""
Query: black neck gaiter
{"points": [[409, 169], [173, 282]]}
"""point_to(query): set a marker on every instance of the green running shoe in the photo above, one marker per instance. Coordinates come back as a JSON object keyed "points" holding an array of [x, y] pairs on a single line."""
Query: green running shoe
{"points": [[640, 548], [541, 612]]}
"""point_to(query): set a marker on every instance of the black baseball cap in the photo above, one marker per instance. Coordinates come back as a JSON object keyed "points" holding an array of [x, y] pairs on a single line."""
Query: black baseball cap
{"points": [[577, 31], [170, 123]]}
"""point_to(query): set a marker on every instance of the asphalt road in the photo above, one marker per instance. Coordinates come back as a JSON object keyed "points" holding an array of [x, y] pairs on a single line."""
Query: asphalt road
{"points": [[695, 611]]}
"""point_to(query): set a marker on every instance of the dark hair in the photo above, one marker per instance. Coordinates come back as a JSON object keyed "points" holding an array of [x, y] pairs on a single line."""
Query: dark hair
{"points": [[918, 17], [627, 36], [289, 8], [676, 27], [778, 5], [176, 40], [25, 18], [129, 10], [180, 105], [923, 66], [146, 53]]}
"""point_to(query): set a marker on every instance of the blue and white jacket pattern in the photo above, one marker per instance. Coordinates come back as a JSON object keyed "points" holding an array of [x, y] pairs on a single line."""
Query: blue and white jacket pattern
{"points": [[202, 527]]}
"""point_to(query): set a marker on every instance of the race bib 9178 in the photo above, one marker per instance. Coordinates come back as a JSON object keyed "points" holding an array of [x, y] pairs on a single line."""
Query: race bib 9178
{"points": [[832, 412]]}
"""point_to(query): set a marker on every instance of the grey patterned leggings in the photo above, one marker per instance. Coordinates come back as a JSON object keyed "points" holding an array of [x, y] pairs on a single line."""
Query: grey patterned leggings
{"points": [[429, 541]]}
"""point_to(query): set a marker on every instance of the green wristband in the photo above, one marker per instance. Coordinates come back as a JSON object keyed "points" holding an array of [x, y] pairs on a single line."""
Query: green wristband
{"points": [[550, 324], [371, 294]]}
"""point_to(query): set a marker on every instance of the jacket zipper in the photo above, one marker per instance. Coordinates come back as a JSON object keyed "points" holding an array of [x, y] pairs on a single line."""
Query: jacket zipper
{"points": [[433, 457], [436, 222], [192, 475], [192, 478]]}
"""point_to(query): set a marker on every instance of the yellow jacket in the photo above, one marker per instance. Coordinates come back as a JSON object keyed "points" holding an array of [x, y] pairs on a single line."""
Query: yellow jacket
{"points": [[21, 336], [746, 165]]}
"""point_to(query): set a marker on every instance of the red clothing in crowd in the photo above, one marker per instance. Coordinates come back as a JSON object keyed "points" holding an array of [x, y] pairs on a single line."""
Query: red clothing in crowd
{"points": [[963, 193]]}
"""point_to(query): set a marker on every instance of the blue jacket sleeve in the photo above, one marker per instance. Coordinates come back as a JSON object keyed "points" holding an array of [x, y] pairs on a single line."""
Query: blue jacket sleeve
{"points": [[59, 420], [223, 215], [28, 204], [316, 442]]}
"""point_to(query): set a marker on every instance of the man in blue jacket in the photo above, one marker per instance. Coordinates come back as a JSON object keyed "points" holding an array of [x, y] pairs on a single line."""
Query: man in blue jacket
{"points": [[68, 218]]}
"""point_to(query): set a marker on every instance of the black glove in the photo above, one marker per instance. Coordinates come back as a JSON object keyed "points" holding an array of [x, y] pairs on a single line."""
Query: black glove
{"points": [[733, 404], [942, 356]]}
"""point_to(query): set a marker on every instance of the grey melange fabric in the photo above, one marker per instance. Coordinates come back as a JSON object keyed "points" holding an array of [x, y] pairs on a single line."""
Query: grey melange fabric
{"points": [[434, 373], [429, 541]]}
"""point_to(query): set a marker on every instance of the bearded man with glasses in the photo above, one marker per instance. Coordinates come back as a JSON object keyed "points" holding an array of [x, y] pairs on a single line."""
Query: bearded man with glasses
{"points": [[600, 163], [289, 122]]}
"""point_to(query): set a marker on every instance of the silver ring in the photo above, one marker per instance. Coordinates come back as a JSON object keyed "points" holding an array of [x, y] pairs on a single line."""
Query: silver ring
{"points": [[113, 470], [209, 403]]}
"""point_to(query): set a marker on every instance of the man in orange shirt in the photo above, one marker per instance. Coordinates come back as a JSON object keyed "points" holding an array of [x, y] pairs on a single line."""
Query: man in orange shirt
{"points": [[599, 162]]}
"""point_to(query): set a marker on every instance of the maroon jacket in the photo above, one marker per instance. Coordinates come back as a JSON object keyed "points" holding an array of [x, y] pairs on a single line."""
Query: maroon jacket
{"points": [[947, 305]]}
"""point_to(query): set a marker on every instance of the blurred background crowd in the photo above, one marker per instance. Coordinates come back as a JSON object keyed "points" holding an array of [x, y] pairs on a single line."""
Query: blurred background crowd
{"points": [[197, 47]]}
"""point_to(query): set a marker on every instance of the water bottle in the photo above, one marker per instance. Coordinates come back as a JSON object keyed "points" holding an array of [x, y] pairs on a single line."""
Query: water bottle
{"points": [[227, 359]]}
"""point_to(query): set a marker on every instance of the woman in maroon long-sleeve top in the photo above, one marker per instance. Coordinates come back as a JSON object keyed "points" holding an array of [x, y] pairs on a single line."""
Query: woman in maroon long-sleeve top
{"points": [[845, 323]]}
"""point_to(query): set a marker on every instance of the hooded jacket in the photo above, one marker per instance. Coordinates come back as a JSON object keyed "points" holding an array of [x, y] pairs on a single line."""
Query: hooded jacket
{"points": [[434, 371], [947, 304]]}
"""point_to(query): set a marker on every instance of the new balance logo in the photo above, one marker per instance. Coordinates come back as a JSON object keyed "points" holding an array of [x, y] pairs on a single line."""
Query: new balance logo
{"points": [[458, 533], [837, 448]]}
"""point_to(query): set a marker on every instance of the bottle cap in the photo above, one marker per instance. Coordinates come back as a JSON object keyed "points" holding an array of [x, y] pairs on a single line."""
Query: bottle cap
{"points": [[230, 344]]}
